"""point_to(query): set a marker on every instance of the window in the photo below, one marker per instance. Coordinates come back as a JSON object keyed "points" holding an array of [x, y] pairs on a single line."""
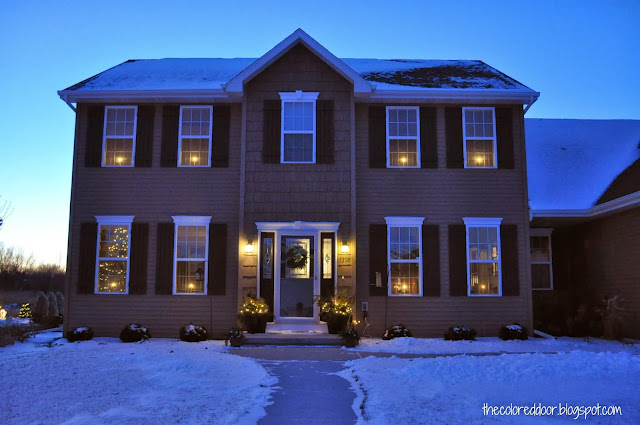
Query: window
{"points": [[478, 129], [541, 267], [298, 127], [403, 136], [483, 256], [404, 256], [119, 137], [191, 254], [194, 140], [112, 254]]}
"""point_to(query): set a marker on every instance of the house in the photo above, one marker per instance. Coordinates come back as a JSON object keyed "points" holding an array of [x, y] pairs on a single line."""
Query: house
{"points": [[197, 181], [584, 185]]}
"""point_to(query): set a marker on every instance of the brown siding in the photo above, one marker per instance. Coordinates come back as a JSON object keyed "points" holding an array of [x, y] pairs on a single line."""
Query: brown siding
{"points": [[443, 196], [153, 195]]}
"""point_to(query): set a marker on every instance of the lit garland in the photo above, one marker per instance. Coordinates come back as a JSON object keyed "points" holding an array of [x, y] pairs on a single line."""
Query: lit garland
{"points": [[253, 305], [340, 304]]}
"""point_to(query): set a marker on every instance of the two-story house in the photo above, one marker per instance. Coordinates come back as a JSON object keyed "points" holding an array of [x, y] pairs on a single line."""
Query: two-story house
{"points": [[196, 181]]}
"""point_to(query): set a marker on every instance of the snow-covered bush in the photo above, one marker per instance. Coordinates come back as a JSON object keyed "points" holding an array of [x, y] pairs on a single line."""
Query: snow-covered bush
{"points": [[42, 307], [396, 331], [60, 302], [459, 333], [53, 305], [513, 331], [134, 332], [193, 333], [80, 334]]}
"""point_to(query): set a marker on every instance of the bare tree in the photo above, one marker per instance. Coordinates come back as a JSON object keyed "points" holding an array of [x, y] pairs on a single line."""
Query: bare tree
{"points": [[5, 210]]}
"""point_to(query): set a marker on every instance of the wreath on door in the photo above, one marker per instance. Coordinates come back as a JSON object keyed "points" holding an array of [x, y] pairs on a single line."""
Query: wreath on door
{"points": [[296, 257]]}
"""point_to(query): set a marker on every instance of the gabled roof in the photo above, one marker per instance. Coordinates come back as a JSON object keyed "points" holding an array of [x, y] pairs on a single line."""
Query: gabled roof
{"points": [[571, 163]]}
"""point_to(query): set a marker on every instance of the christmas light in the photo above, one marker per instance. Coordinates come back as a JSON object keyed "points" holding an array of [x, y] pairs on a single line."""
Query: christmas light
{"points": [[3, 314]]}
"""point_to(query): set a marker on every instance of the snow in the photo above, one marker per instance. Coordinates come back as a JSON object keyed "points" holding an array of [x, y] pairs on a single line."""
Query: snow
{"points": [[514, 327], [214, 73], [492, 345], [571, 163], [105, 381], [453, 390]]}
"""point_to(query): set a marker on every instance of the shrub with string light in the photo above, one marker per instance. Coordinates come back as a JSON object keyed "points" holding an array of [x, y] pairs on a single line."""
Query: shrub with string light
{"points": [[25, 311], [254, 313], [336, 311]]}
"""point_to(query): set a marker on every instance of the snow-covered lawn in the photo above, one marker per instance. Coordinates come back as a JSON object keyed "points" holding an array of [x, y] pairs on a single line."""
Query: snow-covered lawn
{"points": [[454, 390], [492, 345], [105, 381]]}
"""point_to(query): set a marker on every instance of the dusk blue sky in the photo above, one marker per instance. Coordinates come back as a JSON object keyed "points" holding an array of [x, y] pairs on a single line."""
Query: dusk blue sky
{"points": [[583, 56]]}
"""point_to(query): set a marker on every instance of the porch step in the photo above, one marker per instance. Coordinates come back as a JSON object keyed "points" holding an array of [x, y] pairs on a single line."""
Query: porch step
{"points": [[293, 338], [284, 327]]}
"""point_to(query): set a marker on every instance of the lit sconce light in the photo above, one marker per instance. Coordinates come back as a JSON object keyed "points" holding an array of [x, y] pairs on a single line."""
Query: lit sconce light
{"points": [[248, 248], [344, 248]]}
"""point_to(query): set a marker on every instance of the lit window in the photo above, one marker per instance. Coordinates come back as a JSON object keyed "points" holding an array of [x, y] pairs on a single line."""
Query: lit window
{"points": [[403, 140], [194, 142], [404, 255], [483, 256], [113, 252], [541, 268], [298, 127], [478, 126], [191, 254], [119, 137]]}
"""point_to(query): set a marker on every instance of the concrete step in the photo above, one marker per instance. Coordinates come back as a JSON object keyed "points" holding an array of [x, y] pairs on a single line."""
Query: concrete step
{"points": [[288, 327], [293, 338]]}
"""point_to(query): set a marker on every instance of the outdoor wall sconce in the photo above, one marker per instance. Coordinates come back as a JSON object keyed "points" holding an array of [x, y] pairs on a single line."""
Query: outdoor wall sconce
{"points": [[345, 247], [248, 248]]}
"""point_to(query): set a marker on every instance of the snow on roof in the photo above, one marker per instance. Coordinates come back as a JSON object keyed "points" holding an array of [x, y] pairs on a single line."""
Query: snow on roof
{"points": [[213, 73], [572, 162]]}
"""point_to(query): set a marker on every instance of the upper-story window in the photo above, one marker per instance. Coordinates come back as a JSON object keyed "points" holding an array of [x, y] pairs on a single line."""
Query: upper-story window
{"points": [[404, 255], [541, 267], [478, 128], [483, 256], [194, 141], [119, 137], [298, 144], [403, 136], [191, 254], [113, 253]]}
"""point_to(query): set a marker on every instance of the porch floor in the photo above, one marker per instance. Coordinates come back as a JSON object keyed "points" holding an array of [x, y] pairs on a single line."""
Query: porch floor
{"points": [[292, 338]]}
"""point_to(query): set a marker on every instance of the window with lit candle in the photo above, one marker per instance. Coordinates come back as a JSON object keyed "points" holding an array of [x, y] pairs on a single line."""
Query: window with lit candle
{"points": [[403, 136], [404, 235], [478, 127], [194, 141], [191, 259], [119, 136], [483, 254]]}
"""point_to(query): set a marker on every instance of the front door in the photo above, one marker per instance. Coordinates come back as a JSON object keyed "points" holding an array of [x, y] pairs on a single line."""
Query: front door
{"points": [[297, 277]]}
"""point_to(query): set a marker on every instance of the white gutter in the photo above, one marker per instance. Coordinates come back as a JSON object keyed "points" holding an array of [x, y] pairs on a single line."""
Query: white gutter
{"points": [[66, 100], [79, 95], [526, 97], [622, 203], [532, 100]]}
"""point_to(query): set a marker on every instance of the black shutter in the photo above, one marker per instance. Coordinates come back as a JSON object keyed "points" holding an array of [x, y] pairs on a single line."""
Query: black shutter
{"points": [[217, 259], [378, 259], [431, 260], [87, 263], [327, 286], [509, 250], [144, 135], [267, 271], [170, 128], [271, 132], [220, 136], [561, 260], [453, 127], [164, 259], [428, 138], [377, 137], [457, 260], [139, 257], [95, 131], [504, 137], [325, 130]]}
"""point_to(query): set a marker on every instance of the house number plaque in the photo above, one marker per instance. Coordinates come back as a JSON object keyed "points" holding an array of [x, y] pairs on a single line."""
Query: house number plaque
{"points": [[344, 260]]}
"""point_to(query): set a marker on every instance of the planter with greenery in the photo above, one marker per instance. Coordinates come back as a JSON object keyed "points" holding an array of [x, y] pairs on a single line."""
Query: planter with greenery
{"points": [[350, 337], [336, 311], [254, 314], [235, 338]]}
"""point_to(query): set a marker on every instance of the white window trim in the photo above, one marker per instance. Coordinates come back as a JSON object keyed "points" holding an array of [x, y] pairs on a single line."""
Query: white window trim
{"points": [[112, 220], [135, 133], [494, 138], [404, 222], [417, 137], [483, 222], [540, 232], [297, 96], [185, 220], [180, 136]]}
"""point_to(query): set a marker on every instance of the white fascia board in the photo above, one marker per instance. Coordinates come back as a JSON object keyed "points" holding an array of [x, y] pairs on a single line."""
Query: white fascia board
{"points": [[624, 202], [236, 84], [154, 95], [454, 95]]}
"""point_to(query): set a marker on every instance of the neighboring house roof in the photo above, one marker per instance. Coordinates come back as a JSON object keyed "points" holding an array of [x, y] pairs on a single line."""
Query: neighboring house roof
{"points": [[571, 163]]}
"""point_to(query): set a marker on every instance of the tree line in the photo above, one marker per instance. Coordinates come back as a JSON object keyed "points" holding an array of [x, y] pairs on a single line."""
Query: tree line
{"points": [[19, 272]]}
